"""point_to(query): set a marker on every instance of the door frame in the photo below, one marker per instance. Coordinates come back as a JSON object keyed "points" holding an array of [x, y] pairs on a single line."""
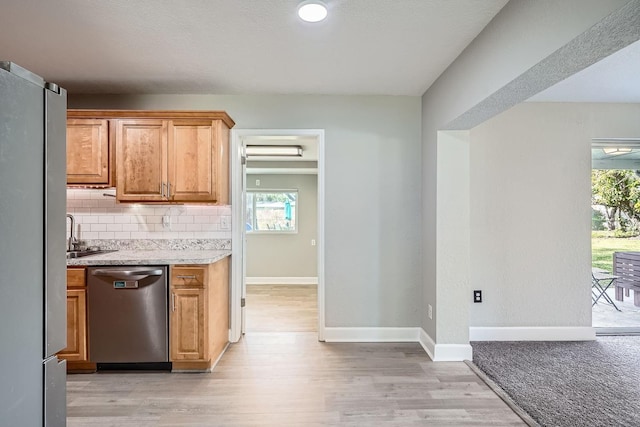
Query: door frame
{"points": [[633, 143], [238, 231]]}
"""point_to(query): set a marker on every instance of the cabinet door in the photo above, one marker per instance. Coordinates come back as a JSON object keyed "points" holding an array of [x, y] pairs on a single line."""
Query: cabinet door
{"points": [[187, 324], [141, 160], [76, 349], [192, 160], [88, 151]]}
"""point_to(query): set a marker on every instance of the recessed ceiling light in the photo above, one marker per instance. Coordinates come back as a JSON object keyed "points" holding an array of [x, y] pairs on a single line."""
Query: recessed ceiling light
{"points": [[312, 11]]}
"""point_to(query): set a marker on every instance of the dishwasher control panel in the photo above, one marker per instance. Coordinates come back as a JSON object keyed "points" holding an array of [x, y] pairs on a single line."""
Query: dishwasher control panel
{"points": [[125, 284]]}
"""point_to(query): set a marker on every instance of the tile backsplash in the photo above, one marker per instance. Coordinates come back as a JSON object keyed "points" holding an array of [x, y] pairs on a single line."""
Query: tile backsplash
{"points": [[100, 217]]}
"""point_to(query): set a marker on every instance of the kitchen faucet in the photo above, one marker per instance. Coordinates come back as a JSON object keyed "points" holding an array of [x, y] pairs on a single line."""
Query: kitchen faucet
{"points": [[72, 242]]}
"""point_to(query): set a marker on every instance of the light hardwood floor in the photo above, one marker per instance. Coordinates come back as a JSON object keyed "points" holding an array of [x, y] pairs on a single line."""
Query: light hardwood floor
{"points": [[291, 379], [281, 308]]}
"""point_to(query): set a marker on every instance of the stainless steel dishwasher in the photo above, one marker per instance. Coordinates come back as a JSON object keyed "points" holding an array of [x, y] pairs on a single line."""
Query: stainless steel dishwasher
{"points": [[128, 314]]}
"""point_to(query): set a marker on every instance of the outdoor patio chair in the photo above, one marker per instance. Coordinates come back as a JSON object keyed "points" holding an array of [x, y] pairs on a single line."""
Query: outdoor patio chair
{"points": [[601, 280]]}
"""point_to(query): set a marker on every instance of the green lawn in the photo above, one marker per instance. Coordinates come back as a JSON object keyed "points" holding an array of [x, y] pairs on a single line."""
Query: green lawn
{"points": [[602, 249]]}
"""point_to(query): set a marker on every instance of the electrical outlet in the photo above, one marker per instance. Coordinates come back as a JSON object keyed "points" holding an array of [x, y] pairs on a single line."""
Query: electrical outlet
{"points": [[257, 183], [430, 311], [313, 242], [477, 296], [166, 221], [224, 223]]}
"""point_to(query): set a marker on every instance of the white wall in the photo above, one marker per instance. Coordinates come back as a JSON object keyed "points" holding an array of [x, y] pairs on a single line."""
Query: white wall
{"points": [[530, 218], [372, 186], [528, 46], [286, 254], [531, 211], [452, 238]]}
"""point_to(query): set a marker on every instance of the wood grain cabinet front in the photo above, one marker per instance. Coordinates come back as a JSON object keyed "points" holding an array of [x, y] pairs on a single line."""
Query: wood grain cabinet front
{"points": [[141, 160], [188, 333], [76, 326], [199, 315], [77, 351], [88, 152], [188, 317], [198, 163], [160, 156], [172, 161]]}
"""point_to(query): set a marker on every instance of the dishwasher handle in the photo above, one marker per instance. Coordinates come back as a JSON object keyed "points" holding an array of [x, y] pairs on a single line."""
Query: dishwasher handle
{"points": [[127, 273]]}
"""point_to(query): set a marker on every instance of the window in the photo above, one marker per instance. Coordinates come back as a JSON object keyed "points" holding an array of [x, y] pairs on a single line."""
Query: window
{"points": [[272, 211]]}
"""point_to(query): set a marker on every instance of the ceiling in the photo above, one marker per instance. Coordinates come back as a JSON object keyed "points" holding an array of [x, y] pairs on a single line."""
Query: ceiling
{"points": [[614, 79], [364, 47]]}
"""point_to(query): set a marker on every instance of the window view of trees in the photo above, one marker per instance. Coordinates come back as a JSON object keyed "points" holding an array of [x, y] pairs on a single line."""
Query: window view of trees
{"points": [[271, 211], [616, 200]]}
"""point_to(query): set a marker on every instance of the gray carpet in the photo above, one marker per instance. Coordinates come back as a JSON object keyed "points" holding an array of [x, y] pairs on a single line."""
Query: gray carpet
{"points": [[592, 383]]}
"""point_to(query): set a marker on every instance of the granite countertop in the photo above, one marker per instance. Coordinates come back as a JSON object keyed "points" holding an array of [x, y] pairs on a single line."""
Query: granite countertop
{"points": [[153, 257]]}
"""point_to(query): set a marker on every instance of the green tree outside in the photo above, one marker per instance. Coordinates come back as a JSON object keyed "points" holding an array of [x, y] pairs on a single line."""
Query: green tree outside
{"points": [[618, 192], [615, 216]]}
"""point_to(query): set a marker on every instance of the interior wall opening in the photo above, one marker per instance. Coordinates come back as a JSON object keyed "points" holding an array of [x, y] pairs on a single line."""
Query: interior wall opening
{"points": [[281, 260], [280, 233], [615, 235]]}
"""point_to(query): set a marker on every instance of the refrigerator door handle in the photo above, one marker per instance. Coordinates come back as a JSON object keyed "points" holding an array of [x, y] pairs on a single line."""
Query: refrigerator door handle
{"points": [[55, 205]]}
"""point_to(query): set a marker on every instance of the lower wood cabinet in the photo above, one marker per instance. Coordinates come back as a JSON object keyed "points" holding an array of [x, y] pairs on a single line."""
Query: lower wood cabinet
{"points": [[76, 325], [188, 332], [77, 351], [199, 315]]}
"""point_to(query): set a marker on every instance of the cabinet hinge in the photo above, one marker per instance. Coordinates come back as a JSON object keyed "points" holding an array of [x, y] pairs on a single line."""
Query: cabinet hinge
{"points": [[242, 302]]}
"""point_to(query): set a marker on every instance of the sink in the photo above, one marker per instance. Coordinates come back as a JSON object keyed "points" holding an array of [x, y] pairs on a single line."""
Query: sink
{"points": [[87, 252]]}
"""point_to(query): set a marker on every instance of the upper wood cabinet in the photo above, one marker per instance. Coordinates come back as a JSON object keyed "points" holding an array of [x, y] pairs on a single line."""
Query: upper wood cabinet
{"points": [[88, 152], [170, 156], [141, 160], [194, 170]]}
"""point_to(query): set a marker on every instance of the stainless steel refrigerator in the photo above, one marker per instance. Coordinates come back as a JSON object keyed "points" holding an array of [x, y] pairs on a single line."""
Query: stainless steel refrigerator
{"points": [[32, 249]]}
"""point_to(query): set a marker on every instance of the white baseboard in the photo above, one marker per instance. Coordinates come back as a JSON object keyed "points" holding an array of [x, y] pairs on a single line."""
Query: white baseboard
{"points": [[371, 334], [444, 352], [551, 333], [437, 352], [281, 280], [427, 343], [458, 352]]}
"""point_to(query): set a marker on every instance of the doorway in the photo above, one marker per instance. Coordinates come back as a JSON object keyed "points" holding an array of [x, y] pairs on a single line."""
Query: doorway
{"points": [[281, 227], [615, 225], [277, 230]]}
